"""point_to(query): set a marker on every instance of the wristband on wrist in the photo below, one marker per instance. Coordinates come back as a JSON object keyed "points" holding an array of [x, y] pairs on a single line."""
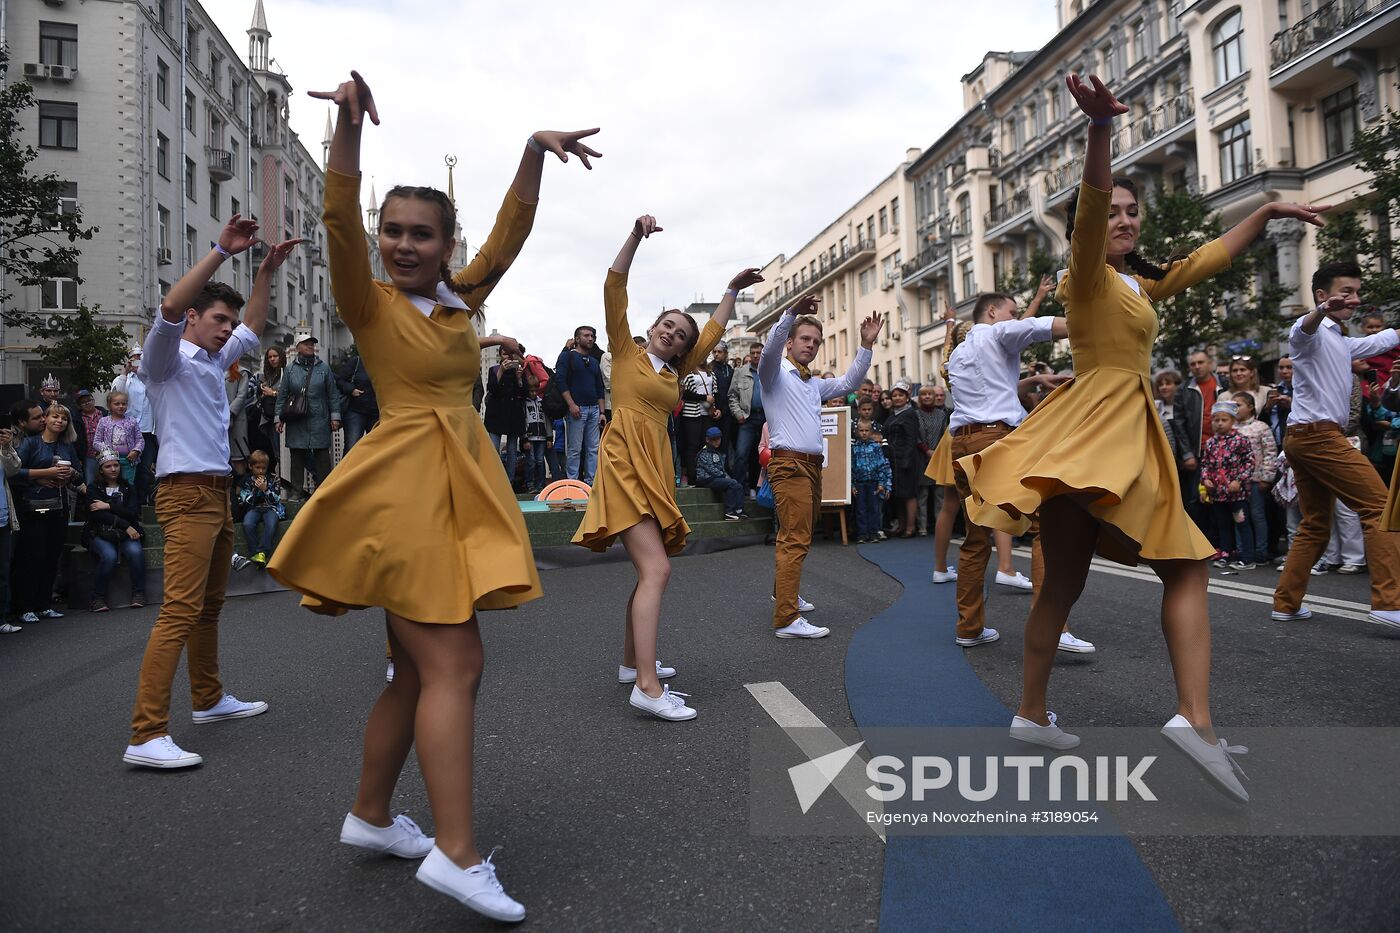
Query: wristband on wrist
{"points": [[534, 144], [221, 251], [1101, 121], [732, 292]]}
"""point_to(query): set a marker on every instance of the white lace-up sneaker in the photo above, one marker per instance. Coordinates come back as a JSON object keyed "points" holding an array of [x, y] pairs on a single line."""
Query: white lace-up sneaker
{"points": [[1390, 618], [1075, 645], [945, 576], [801, 628], [476, 887], [1015, 580], [628, 675], [1302, 612], [669, 706], [389, 673], [988, 635], [802, 604], [229, 707], [1215, 761], [1051, 736], [160, 752], [402, 837]]}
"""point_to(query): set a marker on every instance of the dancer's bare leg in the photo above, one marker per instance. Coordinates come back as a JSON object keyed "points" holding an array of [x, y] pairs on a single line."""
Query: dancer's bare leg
{"points": [[388, 738], [943, 527], [648, 554], [1004, 544], [1186, 625]]}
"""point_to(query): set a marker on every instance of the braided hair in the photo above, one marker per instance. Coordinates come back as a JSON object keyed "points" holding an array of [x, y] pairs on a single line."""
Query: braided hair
{"points": [[1133, 260], [959, 335], [448, 212]]}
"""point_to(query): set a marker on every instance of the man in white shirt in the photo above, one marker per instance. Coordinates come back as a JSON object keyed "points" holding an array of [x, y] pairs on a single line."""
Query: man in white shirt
{"points": [[792, 399], [1326, 467], [984, 372], [193, 341]]}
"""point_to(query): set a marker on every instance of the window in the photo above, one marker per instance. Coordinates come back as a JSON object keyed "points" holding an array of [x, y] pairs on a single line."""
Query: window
{"points": [[237, 270], [163, 83], [860, 234], [58, 125], [216, 68], [969, 280], [189, 110], [894, 214], [964, 214], [189, 179], [163, 228], [163, 14], [192, 46], [1139, 28], [213, 199], [234, 207], [1339, 120], [163, 155], [68, 198], [1056, 99], [1227, 42], [234, 157], [843, 246], [1109, 61], [60, 293], [884, 221], [864, 279], [870, 226], [1235, 160], [190, 241], [215, 132], [58, 44]]}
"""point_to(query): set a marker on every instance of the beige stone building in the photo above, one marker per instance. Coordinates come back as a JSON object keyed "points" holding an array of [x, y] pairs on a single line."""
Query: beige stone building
{"points": [[163, 129]]}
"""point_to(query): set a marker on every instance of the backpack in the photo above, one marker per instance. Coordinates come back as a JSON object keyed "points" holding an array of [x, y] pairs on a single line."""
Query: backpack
{"points": [[554, 404]]}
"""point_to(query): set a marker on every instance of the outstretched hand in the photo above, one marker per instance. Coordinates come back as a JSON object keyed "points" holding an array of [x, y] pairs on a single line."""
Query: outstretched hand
{"points": [[1047, 285], [870, 328], [1094, 98], [562, 143], [1339, 303], [278, 253], [238, 234], [644, 226], [1308, 213], [1050, 381], [807, 305], [353, 97], [744, 279]]}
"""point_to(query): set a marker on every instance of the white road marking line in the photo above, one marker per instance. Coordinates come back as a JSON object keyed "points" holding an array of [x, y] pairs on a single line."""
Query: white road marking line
{"points": [[815, 739]]}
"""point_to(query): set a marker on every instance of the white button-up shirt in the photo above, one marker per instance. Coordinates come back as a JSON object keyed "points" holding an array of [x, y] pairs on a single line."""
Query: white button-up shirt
{"points": [[986, 367], [185, 386], [1322, 369], [793, 405]]}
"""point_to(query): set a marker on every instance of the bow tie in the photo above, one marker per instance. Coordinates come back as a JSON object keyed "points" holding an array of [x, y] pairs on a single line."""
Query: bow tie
{"points": [[802, 371]]}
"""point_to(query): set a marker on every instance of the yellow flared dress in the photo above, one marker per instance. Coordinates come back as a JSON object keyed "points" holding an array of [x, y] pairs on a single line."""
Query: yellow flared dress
{"points": [[940, 465], [636, 477], [1099, 434], [418, 517]]}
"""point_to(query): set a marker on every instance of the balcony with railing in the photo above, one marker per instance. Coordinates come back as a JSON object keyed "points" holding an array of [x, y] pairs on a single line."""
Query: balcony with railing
{"points": [[221, 167], [1321, 26], [1018, 204], [775, 302], [1064, 178], [1153, 124], [917, 269]]}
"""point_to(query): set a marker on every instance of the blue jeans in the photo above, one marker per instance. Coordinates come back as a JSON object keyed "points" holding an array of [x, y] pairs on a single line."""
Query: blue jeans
{"points": [[259, 528], [731, 489], [581, 439], [356, 427], [106, 553], [534, 465], [552, 456], [869, 509], [512, 452], [1259, 521], [1233, 530], [746, 445]]}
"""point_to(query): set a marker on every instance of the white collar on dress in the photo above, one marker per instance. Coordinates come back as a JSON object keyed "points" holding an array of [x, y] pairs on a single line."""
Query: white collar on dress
{"points": [[1132, 282], [445, 297], [657, 363]]}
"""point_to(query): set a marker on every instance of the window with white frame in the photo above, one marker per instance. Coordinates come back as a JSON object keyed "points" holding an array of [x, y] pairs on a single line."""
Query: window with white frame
{"points": [[884, 221], [1227, 46], [163, 228], [60, 293], [1235, 152], [969, 280], [964, 214], [191, 245], [68, 198]]}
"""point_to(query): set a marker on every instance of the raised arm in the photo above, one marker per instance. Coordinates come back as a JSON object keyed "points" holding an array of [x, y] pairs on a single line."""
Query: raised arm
{"points": [[238, 235], [1047, 285], [1239, 237], [713, 331], [851, 379], [526, 185], [1088, 242], [775, 347], [615, 290]]}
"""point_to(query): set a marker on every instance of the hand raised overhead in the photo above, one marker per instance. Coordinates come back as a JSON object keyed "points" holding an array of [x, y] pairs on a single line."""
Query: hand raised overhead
{"points": [[238, 234], [353, 97], [644, 226], [1308, 213], [561, 143], [1094, 98], [870, 328], [278, 253], [807, 304], [743, 280]]}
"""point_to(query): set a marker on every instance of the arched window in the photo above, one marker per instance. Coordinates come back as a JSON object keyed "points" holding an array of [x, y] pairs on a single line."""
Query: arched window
{"points": [[1227, 43]]}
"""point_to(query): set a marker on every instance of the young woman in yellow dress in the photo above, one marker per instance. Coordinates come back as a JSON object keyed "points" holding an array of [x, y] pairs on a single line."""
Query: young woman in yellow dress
{"points": [[419, 517], [1093, 458], [633, 495]]}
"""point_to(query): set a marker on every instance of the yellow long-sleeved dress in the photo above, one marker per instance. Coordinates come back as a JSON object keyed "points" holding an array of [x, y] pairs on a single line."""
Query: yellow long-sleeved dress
{"points": [[1099, 434], [419, 517], [636, 477]]}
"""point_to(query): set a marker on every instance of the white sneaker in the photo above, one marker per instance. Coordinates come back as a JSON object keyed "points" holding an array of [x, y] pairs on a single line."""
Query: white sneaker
{"points": [[1302, 612], [1390, 618], [1051, 736], [668, 706], [402, 837], [988, 635], [1214, 760], [229, 707], [476, 887], [802, 604], [8, 629], [1017, 580], [801, 628], [160, 752], [389, 673], [945, 576], [628, 675], [1075, 645], [239, 562]]}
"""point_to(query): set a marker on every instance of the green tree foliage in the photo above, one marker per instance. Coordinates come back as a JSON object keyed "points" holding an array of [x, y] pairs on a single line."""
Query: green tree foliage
{"points": [[1021, 282], [1349, 236], [76, 341]]}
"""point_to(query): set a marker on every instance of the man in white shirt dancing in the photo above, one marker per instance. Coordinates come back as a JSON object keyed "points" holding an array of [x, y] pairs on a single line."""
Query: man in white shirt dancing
{"points": [[792, 399], [195, 338]]}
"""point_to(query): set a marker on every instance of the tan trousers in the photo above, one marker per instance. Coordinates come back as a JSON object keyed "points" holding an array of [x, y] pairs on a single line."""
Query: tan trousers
{"points": [[1327, 468], [797, 498], [976, 549], [198, 556]]}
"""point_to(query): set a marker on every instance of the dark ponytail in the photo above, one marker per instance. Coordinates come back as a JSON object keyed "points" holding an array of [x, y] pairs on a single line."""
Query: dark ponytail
{"points": [[1133, 260]]}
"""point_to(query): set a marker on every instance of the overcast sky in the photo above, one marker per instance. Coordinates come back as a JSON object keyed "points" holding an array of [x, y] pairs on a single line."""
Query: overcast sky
{"points": [[744, 127]]}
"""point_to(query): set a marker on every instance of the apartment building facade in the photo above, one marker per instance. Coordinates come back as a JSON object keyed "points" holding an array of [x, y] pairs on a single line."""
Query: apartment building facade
{"points": [[162, 130]]}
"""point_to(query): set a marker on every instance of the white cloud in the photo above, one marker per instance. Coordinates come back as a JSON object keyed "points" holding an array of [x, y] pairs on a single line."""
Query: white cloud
{"points": [[744, 127]]}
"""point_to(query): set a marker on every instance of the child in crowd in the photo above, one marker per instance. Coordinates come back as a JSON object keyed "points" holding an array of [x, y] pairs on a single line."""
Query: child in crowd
{"points": [[710, 474], [865, 411], [556, 454], [1227, 466], [259, 496], [114, 526], [120, 434], [1265, 453], [536, 433], [870, 480]]}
